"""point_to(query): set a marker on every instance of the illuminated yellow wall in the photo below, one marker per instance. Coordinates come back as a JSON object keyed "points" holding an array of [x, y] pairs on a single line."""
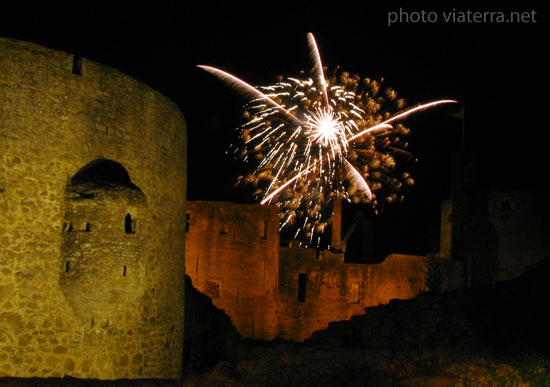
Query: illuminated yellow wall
{"points": [[95, 302]]}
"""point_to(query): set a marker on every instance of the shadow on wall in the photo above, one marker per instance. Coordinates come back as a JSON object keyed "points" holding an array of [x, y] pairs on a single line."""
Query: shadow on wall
{"points": [[209, 335]]}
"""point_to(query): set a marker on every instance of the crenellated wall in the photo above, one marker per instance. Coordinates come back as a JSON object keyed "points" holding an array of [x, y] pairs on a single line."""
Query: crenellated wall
{"points": [[91, 301]]}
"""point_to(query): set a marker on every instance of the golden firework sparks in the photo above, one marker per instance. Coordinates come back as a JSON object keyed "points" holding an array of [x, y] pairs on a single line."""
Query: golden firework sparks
{"points": [[315, 139]]}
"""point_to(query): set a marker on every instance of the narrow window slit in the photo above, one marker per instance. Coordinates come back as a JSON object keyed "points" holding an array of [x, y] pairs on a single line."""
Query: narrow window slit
{"points": [[129, 225], [263, 230], [302, 287]]}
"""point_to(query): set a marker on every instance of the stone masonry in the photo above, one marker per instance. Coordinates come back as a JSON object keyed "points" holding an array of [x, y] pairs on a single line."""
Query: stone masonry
{"points": [[233, 256], [91, 269]]}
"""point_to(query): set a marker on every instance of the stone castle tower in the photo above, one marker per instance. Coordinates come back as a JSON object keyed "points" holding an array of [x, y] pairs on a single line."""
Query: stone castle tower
{"points": [[92, 210]]}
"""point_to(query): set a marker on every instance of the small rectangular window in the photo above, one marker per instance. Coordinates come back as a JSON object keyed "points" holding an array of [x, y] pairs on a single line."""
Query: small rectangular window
{"points": [[263, 229], [302, 287], [187, 221], [67, 266], [319, 254], [212, 289], [354, 295]]}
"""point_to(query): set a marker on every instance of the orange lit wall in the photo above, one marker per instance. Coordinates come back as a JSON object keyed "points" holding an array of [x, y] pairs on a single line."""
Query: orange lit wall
{"points": [[233, 257], [336, 290], [271, 291]]}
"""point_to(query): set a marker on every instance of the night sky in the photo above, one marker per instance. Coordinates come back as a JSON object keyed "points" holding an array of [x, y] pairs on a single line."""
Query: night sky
{"points": [[494, 70]]}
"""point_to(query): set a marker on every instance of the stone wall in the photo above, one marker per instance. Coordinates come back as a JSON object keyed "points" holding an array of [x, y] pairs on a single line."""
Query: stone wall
{"points": [[232, 256], [102, 244], [336, 291], [79, 295], [270, 291], [521, 229], [497, 232]]}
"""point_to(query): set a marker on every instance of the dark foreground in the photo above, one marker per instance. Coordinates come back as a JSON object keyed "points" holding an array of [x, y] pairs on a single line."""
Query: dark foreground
{"points": [[497, 335]]}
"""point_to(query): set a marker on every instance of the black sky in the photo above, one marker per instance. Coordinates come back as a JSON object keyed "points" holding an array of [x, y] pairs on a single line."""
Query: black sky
{"points": [[494, 69]]}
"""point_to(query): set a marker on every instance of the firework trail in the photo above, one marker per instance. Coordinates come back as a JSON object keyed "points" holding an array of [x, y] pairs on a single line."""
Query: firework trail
{"points": [[314, 139]]}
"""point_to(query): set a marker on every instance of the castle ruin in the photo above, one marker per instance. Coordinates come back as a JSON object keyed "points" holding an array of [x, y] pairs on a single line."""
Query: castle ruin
{"points": [[271, 291], [93, 214]]}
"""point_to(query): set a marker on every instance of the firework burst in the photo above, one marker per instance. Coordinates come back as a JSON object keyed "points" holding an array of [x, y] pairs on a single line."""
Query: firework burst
{"points": [[313, 139]]}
